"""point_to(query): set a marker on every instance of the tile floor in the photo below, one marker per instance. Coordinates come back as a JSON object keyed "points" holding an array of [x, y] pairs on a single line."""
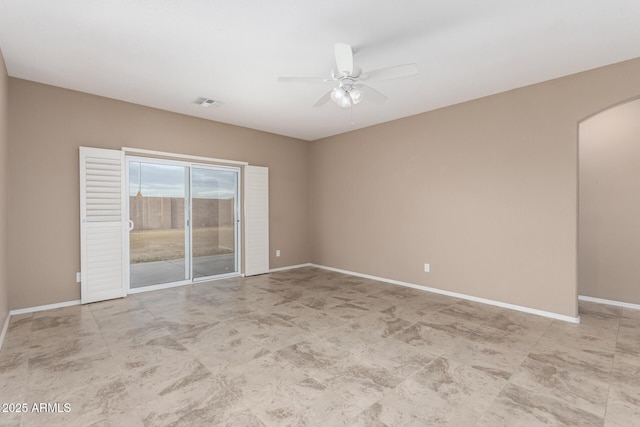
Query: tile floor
{"points": [[312, 347]]}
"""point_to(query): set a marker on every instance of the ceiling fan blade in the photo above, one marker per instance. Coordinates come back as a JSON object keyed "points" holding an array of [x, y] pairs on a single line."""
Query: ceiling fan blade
{"points": [[369, 94], [304, 80], [398, 71], [323, 99], [344, 58]]}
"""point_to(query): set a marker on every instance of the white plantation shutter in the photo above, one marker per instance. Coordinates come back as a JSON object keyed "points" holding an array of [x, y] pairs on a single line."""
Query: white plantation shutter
{"points": [[102, 219], [256, 220]]}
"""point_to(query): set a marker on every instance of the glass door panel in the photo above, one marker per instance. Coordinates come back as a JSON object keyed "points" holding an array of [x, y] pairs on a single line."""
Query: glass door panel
{"points": [[214, 194], [158, 241]]}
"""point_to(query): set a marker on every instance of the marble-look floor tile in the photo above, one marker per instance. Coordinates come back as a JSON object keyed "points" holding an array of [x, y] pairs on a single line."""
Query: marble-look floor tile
{"points": [[314, 347], [348, 311], [593, 364], [380, 324], [630, 313], [452, 325], [625, 377], [201, 402], [126, 321], [518, 322], [402, 359], [454, 320], [470, 310], [630, 324], [257, 379], [308, 320], [429, 300], [375, 302], [13, 379], [287, 295], [62, 322], [172, 305], [414, 313], [186, 330], [582, 337], [130, 305], [320, 301], [177, 389], [628, 342], [576, 390], [600, 323], [303, 403], [314, 358], [588, 307], [401, 293], [443, 393], [232, 310], [11, 419], [360, 383], [89, 403], [623, 404], [399, 357], [157, 368], [434, 338], [516, 406], [72, 371], [122, 335], [352, 289], [518, 340], [54, 350], [247, 338], [622, 411], [18, 336], [499, 362]]}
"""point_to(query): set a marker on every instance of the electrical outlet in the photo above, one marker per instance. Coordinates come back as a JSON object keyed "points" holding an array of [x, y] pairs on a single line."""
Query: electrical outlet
{"points": [[78, 277], [427, 268], [277, 252]]}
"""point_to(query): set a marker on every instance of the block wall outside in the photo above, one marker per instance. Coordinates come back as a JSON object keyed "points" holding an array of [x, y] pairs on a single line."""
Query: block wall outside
{"points": [[164, 213]]}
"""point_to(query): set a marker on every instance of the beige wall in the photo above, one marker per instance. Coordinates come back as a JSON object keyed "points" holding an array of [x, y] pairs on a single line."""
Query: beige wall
{"points": [[47, 126], [4, 177], [484, 191], [609, 205]]}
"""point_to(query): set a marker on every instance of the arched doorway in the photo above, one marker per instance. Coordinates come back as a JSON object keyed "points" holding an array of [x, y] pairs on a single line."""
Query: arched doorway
{"points": [[609, 204]]}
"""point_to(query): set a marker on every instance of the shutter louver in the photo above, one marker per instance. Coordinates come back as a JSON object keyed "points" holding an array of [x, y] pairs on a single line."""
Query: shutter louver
{"points": [[103, 189]]}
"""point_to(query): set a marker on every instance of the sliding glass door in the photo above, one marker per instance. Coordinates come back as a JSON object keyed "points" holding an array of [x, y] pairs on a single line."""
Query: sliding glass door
{"points": [[183, 222], [213, 210], [158, 238]]}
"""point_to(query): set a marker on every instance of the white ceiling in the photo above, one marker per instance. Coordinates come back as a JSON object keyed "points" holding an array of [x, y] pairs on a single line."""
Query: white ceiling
{"points": [[167, 53]]}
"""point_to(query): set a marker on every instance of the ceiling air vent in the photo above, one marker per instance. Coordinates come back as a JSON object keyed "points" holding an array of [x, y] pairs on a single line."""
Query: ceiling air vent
{"points": [[207, 102]]}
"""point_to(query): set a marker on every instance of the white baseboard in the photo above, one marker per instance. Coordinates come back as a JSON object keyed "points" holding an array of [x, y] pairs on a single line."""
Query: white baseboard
{"points": [[609, 302], [529, 310], [44, 307], [290, 267], [4, 329]]}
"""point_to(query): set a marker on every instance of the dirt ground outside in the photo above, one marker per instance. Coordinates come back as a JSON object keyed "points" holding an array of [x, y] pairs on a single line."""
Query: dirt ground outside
{"points": [[159, 245]]}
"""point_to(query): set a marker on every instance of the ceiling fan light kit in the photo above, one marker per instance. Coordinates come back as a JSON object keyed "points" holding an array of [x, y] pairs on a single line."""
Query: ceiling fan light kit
{"points": [[350, 91], [346, 95], [340, 97]]}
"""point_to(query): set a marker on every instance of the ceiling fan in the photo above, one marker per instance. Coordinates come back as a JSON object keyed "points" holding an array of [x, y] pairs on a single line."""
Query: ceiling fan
{"points": [[349, 90]]}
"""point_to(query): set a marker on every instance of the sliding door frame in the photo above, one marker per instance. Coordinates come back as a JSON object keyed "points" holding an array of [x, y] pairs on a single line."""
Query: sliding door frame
{"points": [[189, 227]]}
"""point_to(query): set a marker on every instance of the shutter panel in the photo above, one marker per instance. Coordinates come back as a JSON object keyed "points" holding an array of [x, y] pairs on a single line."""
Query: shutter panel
{"points": [[256, 220], [102, 218]]}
